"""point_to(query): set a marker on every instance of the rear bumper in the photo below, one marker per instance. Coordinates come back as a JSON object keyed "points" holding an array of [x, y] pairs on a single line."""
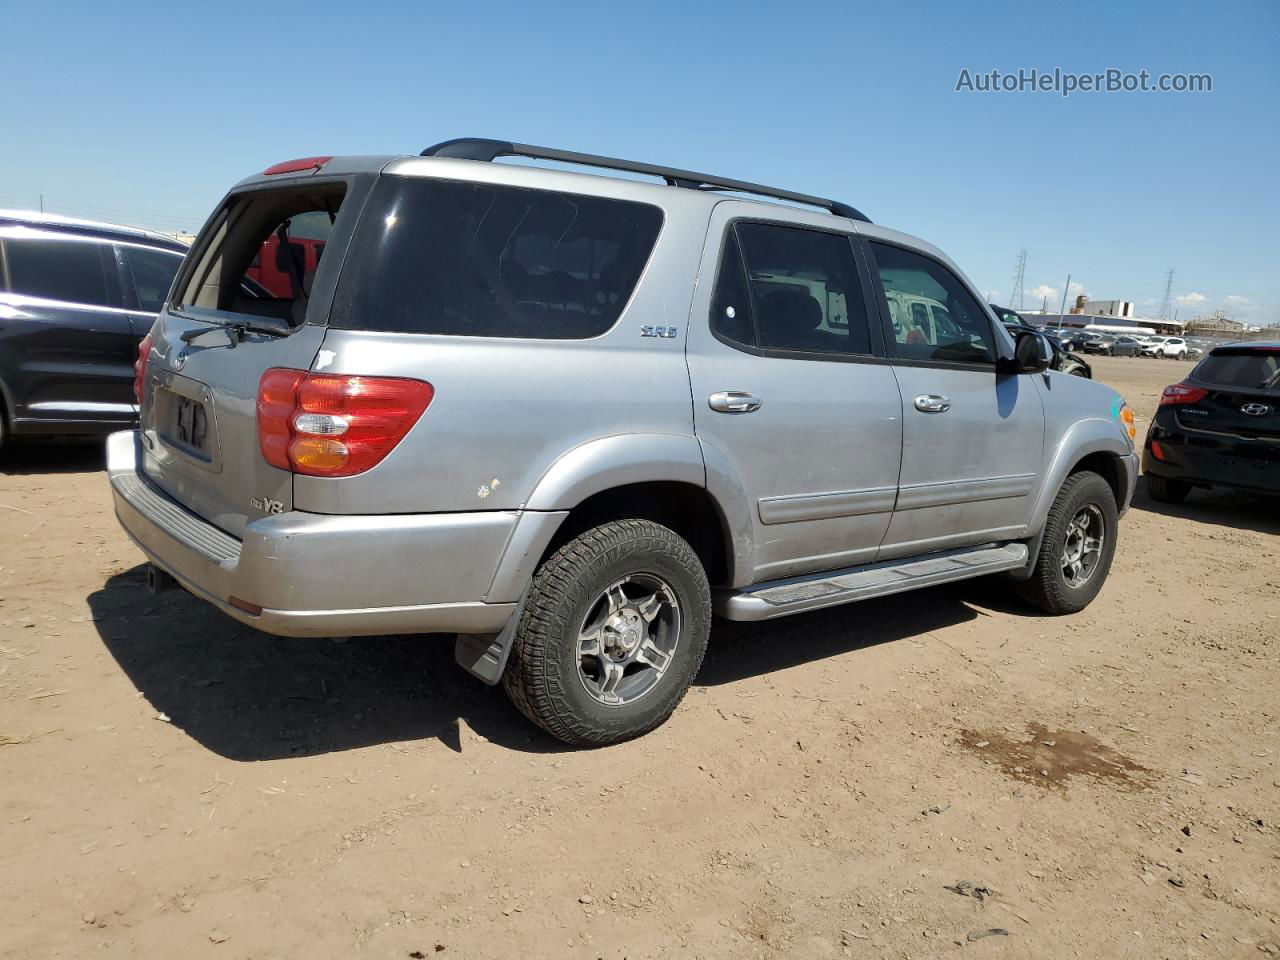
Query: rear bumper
{"points": [[1209, 459], [316, 575]]}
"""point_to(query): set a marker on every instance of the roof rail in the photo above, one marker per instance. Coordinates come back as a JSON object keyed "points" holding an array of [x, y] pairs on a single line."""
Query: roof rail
{"points": [[475, 148]]}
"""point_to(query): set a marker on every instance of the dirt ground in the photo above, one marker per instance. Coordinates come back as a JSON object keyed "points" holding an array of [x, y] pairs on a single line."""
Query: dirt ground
{"points": [[932, 774]]}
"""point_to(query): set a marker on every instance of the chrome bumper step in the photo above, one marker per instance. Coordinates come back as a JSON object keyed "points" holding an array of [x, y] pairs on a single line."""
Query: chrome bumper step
{"points": [[780, 598]]}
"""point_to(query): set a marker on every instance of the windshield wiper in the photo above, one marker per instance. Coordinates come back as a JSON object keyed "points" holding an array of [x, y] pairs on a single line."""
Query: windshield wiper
{"points": [[234, 329]]}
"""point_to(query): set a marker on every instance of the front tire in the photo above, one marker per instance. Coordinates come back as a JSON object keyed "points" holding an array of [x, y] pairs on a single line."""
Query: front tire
{"points": [[1163, 490], [1077, 548], [613, 632]]}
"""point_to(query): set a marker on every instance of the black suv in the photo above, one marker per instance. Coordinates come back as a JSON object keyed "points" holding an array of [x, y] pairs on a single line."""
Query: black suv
{"points": [[76, 297], [1220, 427], [1063, 358]]}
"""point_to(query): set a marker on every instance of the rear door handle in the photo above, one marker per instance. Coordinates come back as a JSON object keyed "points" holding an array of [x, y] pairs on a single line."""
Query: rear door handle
{"points": [[734, 401], [932, 403]]}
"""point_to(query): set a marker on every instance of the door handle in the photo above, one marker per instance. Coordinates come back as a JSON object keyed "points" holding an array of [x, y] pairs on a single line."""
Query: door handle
{"points": [[734, 401], [932, 403]]}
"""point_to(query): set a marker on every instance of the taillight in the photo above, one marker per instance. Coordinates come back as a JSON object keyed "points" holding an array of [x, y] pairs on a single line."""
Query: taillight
{"points": [[1177, 394], [140, 368], [334, 425]]}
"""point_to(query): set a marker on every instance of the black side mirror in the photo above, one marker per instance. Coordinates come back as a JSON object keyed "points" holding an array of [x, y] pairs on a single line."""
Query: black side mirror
{"points": [[1032, 353]]}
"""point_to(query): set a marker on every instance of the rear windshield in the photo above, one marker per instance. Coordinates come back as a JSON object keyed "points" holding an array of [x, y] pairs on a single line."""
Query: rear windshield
{"points": [[479, 260], [1250, 369], [261, 253]]}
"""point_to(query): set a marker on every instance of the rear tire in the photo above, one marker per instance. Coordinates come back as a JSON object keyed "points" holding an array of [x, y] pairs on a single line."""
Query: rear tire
{"points": [[641, 592], [1163, 490], [1071, 567]]}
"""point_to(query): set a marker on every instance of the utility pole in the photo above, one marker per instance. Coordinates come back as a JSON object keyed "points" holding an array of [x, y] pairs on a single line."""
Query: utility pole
{"points": [[42, 203], [1166, 303], [1019, 280], [1062, 310]]}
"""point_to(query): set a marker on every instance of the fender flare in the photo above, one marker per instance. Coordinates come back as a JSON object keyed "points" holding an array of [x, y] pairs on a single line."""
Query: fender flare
{"points": [[1084, 438], [589, 468], [617, 461]]}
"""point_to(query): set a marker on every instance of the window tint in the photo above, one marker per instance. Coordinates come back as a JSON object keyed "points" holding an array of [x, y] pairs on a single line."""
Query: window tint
{"points": [[932, 315], [71, 270], [152, 273], [481, 260], [804, 289], [1249, 369], [731, 302]]}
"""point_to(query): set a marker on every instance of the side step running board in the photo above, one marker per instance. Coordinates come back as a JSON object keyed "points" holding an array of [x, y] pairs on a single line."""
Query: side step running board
{"points": [[780, 598]]}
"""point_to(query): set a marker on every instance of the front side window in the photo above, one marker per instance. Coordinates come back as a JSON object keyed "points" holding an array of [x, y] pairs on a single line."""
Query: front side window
{"points": [[54, 268], [482, 260], [152, 273], [931, 313], [800, 287]]}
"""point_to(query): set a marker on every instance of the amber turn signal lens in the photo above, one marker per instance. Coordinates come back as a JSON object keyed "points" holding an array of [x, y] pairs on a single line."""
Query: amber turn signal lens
{"points": [[319, 453], [1126, 416]]}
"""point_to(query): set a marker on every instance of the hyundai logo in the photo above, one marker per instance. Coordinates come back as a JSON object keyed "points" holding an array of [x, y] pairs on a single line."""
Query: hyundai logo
{"points": [[1255, 409], [180, 360]]}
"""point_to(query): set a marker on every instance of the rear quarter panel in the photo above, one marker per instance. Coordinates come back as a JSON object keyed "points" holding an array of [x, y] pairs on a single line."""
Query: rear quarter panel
{"points": [[506, 411]]}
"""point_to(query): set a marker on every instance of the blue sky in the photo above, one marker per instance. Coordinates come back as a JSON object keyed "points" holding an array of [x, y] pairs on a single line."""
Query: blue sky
{"points": [[146, 112]]}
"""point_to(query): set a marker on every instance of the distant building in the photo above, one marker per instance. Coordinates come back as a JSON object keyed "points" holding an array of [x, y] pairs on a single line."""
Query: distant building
{"points": [[1105, 308], [1217, 325]]}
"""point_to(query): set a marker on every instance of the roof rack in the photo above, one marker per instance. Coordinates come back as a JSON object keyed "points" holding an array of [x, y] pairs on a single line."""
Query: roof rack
{"points": [[475, 148]]}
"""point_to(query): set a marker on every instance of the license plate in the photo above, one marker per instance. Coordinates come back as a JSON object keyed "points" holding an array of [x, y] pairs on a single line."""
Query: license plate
{"points": [[191, 424]]}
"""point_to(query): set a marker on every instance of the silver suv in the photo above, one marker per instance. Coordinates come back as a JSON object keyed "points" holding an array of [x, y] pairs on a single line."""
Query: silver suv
{"points": [[567, 417]]}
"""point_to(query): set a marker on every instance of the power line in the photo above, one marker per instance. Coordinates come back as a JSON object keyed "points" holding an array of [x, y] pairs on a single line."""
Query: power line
{"points": [[1019, 281]]}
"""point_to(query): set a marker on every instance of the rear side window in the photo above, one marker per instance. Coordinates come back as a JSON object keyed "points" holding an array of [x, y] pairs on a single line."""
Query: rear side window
{"points": [[932, 315], [151, 272], [74, 271], [479, 260], [792, 289], [1247, 369]]}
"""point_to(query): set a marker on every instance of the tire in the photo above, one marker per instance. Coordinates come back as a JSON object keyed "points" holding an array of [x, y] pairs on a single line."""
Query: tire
{"points": [[547, 674], [1163, 490], [1049, 588]]}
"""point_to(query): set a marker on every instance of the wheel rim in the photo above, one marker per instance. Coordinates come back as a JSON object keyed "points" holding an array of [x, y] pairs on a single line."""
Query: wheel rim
{"points": [[628, 639], [1082, 550]]}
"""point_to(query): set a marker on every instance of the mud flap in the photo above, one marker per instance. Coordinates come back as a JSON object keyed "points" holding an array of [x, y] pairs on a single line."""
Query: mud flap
{"points": [[485, 656]]}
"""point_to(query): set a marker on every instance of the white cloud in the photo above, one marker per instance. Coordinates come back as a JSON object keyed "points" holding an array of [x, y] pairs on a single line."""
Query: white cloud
{"points": [[1234, 298], [1044, 290], [1192, 297]]}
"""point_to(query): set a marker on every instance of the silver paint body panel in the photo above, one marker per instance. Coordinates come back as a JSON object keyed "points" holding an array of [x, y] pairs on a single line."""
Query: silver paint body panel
{"points": [[833, 471]]}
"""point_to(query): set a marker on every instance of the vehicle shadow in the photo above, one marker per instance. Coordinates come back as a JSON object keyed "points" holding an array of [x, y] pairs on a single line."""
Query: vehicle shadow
{"points": [[248, 696], [28, 457], [1223, 508]]}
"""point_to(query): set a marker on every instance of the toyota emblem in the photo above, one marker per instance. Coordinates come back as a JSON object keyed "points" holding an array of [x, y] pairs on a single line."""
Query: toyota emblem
{"points": [[1255, 409], [180, 360]]}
